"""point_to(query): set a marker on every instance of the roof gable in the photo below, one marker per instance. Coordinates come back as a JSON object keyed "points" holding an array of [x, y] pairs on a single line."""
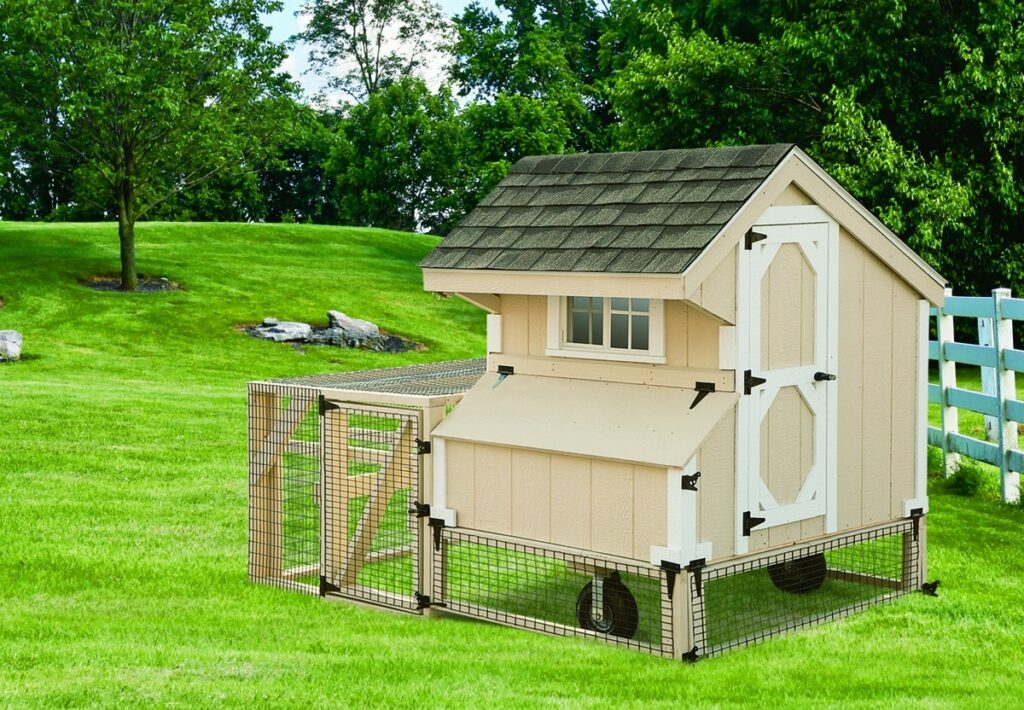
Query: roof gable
{"points": [[646, 212]]}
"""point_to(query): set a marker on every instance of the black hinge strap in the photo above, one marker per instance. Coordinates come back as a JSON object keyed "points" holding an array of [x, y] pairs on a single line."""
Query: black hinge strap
{"points": [[750, 522], [437, 525], [703, 390], [694, 568], [752, 238], [325, 406], [671, 569], [750, 382], [326, 587]]}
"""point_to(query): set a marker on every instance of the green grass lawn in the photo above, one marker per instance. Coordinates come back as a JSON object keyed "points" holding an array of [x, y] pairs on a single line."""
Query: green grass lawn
{"points": [[123, 513]]}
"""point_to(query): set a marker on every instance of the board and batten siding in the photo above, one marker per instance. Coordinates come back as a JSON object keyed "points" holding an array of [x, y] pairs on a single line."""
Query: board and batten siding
{"points": [[691, 336], [591, 504]]}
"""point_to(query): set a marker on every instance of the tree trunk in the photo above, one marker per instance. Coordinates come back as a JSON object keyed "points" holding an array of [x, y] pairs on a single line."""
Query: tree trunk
{"points": [[126, 233]]}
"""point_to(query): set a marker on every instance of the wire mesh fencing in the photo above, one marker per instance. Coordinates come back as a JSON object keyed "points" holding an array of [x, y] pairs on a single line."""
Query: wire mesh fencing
{"points": [[370, 495], [742, 603], [566, 594], [284, 487]]}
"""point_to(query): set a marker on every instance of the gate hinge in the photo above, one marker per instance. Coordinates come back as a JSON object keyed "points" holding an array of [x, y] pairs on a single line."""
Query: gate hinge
{"points": [[421, 510], [694, 568], [703, 390], [326, 587], [750, 382], [437, 525], [750, 522], [671, 570], [931, 588], [691, 655], [423, 601], [752, 237], [422, 447], [915, 517], [689, 483], [324, 405]]}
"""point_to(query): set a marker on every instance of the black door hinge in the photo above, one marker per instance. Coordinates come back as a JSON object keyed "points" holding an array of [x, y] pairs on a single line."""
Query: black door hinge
{"points": [[750, 382], [915, 517], [325, 406], [420, 510], [437, 525], [694, 568], [423, 601], [326, 587], [750, 522], [689, 483], [753, 237], [422, 447], [671, 570], [703, 390]]}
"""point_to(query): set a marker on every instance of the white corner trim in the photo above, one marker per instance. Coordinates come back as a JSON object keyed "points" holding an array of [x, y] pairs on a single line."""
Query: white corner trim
{"points": [[440, 470], [554, 322], [667, 554], [681, 529], [913, 503], [921, 435], [493, 334], [447, 515]]}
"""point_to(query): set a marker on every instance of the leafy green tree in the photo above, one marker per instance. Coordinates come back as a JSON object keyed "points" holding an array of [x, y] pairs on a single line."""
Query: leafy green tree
{"points": [[401, 161], [151, 97], [372, 42]]}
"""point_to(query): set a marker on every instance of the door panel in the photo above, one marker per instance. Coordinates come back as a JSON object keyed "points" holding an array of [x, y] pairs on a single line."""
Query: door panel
{"points": [[786, 419]]}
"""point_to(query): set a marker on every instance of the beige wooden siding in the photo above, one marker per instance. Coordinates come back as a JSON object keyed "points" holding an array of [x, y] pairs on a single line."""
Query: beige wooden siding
{"points": [[792, 196], [877, 388], [592, 504], [691, 336], [716, 499], [717, 294]]}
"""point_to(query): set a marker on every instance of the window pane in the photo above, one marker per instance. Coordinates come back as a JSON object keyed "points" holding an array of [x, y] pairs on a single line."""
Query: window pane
{"points": [[578, 331], [620, 330], [620, 304], [579, 302], [597, 328], [640, 332], [597, 303], [640, 304]]}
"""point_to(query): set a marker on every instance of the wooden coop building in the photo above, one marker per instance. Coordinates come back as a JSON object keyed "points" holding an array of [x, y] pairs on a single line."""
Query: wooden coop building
{"points": [[701, 420]]}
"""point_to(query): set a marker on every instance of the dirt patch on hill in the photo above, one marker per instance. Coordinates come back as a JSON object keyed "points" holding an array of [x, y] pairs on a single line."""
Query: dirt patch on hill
{"points": [[147, 284]]}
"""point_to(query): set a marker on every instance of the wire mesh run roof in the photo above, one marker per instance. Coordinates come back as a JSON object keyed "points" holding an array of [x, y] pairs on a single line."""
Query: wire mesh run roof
{"points": [[430, 380]]}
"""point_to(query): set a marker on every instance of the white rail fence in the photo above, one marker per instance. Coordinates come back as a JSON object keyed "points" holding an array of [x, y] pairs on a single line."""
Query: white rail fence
{"points": [[999, 362]]}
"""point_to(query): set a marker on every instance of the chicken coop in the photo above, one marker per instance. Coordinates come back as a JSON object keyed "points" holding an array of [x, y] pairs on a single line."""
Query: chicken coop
{"points": [[701, 420]]}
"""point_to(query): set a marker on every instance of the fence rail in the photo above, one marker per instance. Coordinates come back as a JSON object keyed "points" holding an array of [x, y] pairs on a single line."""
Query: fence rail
{"points": [[999, 362]]}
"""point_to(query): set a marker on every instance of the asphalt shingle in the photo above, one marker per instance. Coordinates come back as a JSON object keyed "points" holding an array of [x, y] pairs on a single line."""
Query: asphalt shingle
{"points": [[642, 212]]}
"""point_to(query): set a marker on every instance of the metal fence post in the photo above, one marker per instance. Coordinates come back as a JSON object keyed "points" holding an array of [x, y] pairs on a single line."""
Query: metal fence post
{"points": [[1006, 388], [947, 379]]}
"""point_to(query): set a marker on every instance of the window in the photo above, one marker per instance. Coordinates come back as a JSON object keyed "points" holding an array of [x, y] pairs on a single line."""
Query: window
{"points": [[606, 328]]}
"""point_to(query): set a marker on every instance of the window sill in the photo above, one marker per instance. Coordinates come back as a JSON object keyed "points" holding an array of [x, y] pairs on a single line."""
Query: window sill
{"points": [[607, 355]]}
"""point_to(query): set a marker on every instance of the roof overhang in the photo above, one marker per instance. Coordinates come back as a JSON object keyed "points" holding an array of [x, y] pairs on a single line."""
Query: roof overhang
{"points": [[799, 169], [607, 420], [553, 283]]}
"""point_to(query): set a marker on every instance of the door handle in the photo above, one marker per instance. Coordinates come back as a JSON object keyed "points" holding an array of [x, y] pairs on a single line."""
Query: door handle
{"points": [[824, 377]]}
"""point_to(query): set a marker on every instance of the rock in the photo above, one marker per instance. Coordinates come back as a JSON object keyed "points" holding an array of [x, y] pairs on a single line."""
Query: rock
{"points": [[269, 322], [10, 345], [354, 328], [284, 331]]}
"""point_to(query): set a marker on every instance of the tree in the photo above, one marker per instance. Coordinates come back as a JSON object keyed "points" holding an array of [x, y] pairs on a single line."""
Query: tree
{"points": [[374, 42], [401, 161], [150, 97]]}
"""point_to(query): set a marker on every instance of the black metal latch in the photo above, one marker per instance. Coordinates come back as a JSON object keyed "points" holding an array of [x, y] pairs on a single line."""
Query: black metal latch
{"points": [[750, 522], [824, 377], [689, 483], [750, 382], [422, 447], [420, 510]]}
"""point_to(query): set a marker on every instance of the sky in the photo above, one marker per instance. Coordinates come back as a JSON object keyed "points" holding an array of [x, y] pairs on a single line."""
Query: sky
{"points": [[286, 23]]}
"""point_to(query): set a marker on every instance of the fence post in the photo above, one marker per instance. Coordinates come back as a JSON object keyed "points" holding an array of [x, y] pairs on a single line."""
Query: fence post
{"points": [[1006, 388], [987, 339], [947, 379]]}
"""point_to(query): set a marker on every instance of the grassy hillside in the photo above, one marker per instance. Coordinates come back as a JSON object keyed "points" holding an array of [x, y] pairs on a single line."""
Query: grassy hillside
{"points": [[123, 513]]}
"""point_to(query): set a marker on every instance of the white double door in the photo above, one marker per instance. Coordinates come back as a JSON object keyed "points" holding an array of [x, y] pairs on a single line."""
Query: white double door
{"points": [[787, 367]]}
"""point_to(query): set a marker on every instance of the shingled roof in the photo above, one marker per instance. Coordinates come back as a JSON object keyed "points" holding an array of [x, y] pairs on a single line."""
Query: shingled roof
{"points": [[644, 212]]}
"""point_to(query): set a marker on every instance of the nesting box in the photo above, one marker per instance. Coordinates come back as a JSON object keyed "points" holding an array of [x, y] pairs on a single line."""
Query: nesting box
{"points": [[702, 416]]}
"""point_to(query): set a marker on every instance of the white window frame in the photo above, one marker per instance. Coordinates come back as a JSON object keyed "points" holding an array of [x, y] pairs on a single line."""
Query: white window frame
{"points": [[558, 310]]}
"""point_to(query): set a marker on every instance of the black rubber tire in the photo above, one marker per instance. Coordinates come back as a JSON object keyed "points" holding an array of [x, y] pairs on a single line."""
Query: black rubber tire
{"points": [[621, 615], [800, 575]]}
